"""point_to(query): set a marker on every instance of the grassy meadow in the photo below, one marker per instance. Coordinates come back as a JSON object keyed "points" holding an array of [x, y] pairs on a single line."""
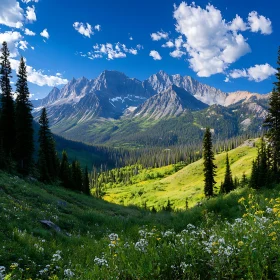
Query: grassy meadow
{"points": [[153, 187]]}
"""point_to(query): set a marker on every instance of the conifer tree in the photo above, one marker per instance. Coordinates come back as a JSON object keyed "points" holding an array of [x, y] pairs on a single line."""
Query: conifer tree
{"points": [[47, 157], [76, 176], [7, 116], [86, 187], [272, 122], [228, 184], [24, 130], [64, 171], [209, 166]]}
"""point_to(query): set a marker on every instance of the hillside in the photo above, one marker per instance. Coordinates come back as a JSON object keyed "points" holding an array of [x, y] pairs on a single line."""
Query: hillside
{"points": [[151, 189], [94, 239]]}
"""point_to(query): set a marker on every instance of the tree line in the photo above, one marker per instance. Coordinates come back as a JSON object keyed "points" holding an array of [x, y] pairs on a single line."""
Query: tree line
{"points": [[17, 135]]}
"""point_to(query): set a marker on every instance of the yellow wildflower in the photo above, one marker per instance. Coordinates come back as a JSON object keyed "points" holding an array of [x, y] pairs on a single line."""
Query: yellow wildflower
{"points": [[240, 243], [241, 199]]}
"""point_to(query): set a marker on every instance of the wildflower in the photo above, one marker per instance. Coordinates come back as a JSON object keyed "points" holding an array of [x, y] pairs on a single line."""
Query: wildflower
{"points": [[240, 243], [272, 233], [141, 245], [13, 265], [100, 261], [241, 199], [113, 237], [68, 273], [56, 257], [2, 272]]}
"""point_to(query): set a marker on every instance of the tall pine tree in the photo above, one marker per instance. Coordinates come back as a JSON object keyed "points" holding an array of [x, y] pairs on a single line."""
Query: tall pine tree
{"points": [[86, 187], [24, 131], [47, 157], [228, 184], [209, 166], [7, 117], [272, 122], [64, 171]]}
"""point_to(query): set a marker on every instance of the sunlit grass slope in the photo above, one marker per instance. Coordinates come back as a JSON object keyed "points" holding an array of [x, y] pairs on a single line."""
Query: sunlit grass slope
{"points": [[187, 183]]}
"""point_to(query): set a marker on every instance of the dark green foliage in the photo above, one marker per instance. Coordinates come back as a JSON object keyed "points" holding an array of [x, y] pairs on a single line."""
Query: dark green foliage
{"points": [[261, 169], [24, 129], [86, 187], [272, 122], [228, 184], [76, 176], [48, 162], [64, 171], [7, 116], [168, 206], [209, 166]]}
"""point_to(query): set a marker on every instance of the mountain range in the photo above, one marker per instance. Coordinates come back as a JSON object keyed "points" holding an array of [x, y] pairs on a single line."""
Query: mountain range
{"points": [[114, 106]]}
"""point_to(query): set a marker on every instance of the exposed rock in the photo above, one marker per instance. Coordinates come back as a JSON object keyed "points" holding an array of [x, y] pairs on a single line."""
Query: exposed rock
{"points": [[51, 225]]}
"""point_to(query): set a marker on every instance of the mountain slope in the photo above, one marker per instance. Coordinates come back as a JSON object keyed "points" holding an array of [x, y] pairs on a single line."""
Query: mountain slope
{"points": [[186, 183], [169, 103]]}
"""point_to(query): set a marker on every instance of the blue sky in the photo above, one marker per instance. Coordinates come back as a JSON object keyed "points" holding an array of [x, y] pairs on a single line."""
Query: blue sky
{"points": [[205, 40]]}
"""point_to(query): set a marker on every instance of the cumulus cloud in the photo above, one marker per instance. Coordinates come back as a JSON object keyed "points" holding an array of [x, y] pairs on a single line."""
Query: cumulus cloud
{"points": [[97, 27], [168, 44], [238, 24], [45, 33], [29, 32], [155, 55], [38, 77], [85, 29], [159, 35], [111, 51], [131, 38], [259, 23], [23, 45], [30, 14], [210, 43], [255, 73], [12, 38], [177, 53], [11, 14]]}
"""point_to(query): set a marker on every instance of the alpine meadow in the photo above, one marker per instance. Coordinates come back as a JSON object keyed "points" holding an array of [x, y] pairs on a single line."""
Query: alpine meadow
{"points": [[139, 140]]}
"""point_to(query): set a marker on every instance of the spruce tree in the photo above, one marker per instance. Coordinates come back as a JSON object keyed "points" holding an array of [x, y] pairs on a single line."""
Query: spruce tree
{"points": [[64, 171], [76, 176], [86, 187], [47, 156], [209, 166], [24, 146], [7, 116], [272, 122], [228, 184]]}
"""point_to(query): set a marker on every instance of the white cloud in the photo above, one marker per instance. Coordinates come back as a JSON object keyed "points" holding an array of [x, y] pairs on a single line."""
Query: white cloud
{"points": [[30, 14], [29, 32], [12, 38], [11, 14], [159, 35], [168, 44], [27, 1], [259, 23], [97, 27], [238, 24], [111, 51], [23, 45], [155, 55], [131, 38], [38, 77], [209, 42], [177, 53], [255, 73], [45, 34], [226, 80], [84, 29]]}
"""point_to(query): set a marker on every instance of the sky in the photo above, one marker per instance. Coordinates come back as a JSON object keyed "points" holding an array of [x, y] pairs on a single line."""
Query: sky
{"points": [[231, 45]]}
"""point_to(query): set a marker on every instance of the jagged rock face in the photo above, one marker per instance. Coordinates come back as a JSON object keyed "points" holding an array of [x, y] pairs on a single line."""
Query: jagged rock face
{"points": [[161, 81], [169, 103], [113, 95]]}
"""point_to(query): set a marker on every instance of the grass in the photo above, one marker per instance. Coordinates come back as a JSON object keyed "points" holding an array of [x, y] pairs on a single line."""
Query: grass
{"points": [[151, 189], [222, 239]]}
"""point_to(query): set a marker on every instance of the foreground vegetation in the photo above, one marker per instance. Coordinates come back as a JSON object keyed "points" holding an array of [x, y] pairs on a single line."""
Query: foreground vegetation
{"points": [[98, 240]]}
